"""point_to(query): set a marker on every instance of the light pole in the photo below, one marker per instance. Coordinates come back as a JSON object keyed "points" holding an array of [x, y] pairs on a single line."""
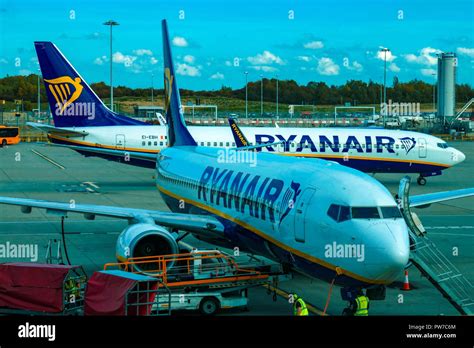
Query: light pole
{"points": [[246, 94], [261, 95], [434, 95], [152, 88], [39, 94], [384, 50], [111, 23], [277, 94]]}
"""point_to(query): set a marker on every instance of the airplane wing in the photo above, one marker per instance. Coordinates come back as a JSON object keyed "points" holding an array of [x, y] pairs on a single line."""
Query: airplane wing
{"points": [[146, 156], [430, 198], [57, 131], [187, 222]]}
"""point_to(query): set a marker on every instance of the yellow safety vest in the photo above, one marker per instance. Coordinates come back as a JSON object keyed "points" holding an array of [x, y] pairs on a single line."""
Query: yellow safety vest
{"points": [[304, 309], [362, 306]]}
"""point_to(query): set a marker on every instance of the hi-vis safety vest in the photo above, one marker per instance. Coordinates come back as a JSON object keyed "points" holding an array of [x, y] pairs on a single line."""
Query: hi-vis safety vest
{"points": [[304, 309], [362, 306]]}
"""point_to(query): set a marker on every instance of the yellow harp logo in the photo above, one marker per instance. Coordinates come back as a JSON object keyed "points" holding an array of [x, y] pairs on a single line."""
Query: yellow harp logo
{"points": [[62, 92]]}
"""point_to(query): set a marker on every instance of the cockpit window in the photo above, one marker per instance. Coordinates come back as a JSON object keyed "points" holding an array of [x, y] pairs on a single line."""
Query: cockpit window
{"points": [[390, 212], [339, 213], [442, 145], [365, 213]]}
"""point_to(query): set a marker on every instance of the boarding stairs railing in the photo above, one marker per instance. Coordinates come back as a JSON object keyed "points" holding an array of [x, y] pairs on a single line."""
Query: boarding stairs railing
{"points": [[431, 262]]}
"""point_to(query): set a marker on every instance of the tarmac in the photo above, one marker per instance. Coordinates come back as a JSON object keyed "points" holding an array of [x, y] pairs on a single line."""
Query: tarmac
{"points": [[36, 171]]}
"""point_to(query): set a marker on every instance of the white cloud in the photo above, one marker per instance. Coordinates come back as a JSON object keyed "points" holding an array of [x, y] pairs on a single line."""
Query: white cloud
{"points": [[381, 55], [125, 59], [326, 66], [313, 45], [153, 60], [180, 41], [228, 63], [265, 58], [428, 72], [427, 56], [25, 72], [3, 61], [355, 66], [466, 51], [100, 60], [263, 68], [217, 76], [393, 67], [143, 52], [187, 70], [189, 59], [304, 58]]}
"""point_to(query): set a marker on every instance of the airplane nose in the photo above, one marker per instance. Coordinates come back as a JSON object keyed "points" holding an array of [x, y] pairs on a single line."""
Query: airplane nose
{"points": [[391, 253], [458, 156]]}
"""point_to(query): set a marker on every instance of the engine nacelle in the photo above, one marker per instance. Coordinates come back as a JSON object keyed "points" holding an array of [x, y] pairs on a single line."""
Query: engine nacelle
{"points": [[144, 239]]}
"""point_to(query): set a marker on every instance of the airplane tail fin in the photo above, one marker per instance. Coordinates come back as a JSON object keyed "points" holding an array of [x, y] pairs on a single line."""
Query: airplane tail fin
{"points": [[178, 134], [239, 137], [73, 103]]}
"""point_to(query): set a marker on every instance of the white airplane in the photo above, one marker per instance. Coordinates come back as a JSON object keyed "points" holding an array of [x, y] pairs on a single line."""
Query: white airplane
{"points": [[318, 217], [85, 122]]}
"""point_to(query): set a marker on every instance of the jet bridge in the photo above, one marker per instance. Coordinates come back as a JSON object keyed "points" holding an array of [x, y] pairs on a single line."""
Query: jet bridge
{"points": [[431, 262]]}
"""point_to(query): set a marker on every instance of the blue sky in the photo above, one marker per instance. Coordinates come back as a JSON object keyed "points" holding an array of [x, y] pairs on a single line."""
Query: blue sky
{"points": [[217, 41]]}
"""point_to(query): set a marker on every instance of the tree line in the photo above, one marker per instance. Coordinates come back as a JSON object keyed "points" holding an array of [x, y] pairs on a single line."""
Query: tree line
{"points": [[289, 91]]}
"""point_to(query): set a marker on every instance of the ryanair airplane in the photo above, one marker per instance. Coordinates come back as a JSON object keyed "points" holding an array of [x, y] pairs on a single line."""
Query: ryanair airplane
{"points": [[300, 212], [83, 122]]}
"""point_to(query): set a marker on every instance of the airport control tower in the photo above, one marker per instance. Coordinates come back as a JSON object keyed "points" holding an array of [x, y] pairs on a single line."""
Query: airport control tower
{"points": [[447, 63]]}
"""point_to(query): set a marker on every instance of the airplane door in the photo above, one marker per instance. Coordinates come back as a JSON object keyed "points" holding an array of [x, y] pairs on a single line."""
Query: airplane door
{"points": [[422, 147], [300, 213], [120, 141]]}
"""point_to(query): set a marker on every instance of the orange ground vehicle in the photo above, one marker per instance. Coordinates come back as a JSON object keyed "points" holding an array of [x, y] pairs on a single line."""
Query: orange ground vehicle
{"points": [[9, 135]]}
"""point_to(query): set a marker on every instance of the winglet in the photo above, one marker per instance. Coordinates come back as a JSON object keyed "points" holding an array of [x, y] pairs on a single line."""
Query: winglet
{"points": [[239, 137], [178, 134]]}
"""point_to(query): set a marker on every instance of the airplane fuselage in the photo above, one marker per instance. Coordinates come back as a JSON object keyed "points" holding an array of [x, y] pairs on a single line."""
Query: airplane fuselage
{"points": [[367, 150], [283, 214]]}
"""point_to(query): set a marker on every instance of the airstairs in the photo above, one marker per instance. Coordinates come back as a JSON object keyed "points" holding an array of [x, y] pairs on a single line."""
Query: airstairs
{"points": [[432, 263]]}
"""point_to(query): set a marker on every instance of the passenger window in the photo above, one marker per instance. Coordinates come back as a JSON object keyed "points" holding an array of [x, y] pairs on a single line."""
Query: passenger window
{"points": [[143, 143], [149, 143], [156, 143], [227, 144]]}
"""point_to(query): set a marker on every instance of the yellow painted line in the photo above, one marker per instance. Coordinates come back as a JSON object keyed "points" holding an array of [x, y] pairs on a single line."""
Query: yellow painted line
{"points": [[48, 159], [285, 295], [297, 252]]}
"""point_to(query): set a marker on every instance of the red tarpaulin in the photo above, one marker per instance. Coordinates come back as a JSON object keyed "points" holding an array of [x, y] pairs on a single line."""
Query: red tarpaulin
{"points": [[32, 286], [107, 293]]}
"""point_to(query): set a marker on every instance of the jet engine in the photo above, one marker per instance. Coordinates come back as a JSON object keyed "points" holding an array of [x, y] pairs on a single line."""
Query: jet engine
{"points": [[146, 239]]}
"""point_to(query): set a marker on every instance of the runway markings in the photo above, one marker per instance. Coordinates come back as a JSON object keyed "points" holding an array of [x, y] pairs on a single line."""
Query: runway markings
{"points": [[48, 159], [91, 187]]}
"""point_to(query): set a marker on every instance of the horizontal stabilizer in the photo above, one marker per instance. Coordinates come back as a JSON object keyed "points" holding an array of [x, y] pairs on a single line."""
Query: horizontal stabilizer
{"points": [[57, 131]]}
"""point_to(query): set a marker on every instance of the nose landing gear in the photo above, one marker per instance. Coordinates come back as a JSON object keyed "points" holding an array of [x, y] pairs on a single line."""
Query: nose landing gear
{"points": [[421, 180]]}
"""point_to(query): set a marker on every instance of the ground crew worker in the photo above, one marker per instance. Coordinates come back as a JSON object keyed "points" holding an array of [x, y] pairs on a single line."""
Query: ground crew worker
{"points": [[361, 304], [299, 306]]}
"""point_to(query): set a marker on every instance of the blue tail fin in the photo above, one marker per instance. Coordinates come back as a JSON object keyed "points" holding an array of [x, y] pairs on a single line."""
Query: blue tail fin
{"points": [[178, 134], [73, 103], [239, 137]]}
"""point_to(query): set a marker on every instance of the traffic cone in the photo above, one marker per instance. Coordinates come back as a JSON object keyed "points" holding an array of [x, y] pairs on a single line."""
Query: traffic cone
{"points": [[406, 283]]}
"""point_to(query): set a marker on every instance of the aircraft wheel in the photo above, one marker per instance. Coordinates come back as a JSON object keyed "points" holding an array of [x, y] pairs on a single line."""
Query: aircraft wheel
{"points": [[421, 181]]}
